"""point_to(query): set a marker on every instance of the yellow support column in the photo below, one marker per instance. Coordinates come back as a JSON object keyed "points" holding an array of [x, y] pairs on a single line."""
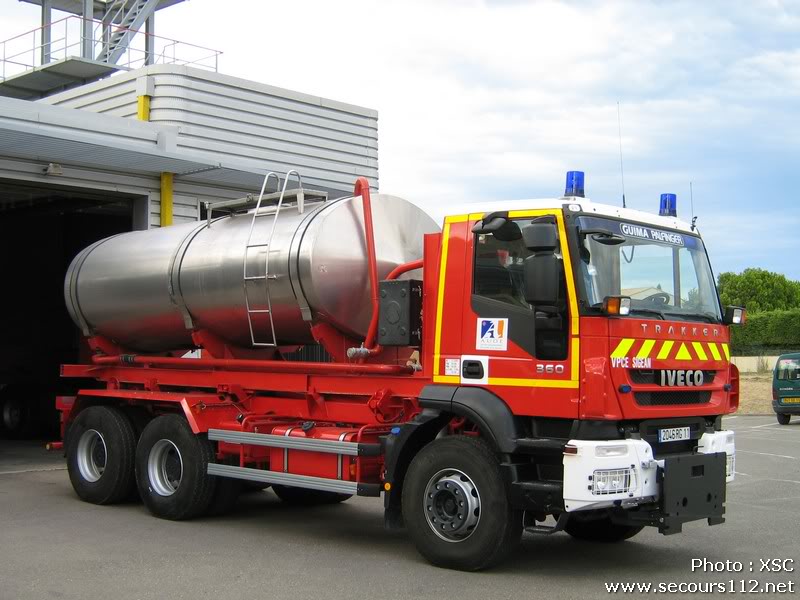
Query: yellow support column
{"points": [[166, 199], [143, 108], [145, 90]]}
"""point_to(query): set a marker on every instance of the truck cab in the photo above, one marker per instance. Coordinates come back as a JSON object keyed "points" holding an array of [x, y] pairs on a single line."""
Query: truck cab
{"points": [[599, 329]]}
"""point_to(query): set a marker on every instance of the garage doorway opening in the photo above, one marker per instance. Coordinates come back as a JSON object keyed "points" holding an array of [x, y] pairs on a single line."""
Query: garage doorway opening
{"points": [[41, 230]]}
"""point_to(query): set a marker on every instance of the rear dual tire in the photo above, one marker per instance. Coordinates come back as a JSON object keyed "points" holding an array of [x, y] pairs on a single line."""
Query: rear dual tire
{"points": [[172, 469], [101, 449]]}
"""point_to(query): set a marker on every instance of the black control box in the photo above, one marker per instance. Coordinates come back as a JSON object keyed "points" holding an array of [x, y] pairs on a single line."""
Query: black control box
{"points": [[400, 322]]}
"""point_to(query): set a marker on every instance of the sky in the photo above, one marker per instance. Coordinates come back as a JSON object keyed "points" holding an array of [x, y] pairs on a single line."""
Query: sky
{"points": [[496, 100]]}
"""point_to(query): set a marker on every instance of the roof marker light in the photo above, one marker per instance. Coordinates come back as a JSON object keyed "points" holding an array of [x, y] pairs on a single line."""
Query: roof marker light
{"points": [[574, 184], [668, 206]]}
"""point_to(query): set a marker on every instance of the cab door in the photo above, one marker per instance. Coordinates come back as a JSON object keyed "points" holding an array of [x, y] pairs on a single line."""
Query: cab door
{"points": [[527, 355]]}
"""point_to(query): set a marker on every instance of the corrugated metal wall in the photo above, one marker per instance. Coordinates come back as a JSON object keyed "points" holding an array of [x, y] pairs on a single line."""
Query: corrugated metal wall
{"points": [[247, 125]]}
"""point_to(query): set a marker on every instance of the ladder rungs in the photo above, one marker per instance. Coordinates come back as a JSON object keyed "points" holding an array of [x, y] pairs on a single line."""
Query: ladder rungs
{"points": [[259, 311], [257, 245], [255, 277]]}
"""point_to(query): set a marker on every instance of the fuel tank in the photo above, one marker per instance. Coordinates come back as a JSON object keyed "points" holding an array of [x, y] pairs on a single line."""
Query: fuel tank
{"points": [[147, 290]]}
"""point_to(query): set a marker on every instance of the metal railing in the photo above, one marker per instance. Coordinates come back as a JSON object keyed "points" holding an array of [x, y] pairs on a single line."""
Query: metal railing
{"points": [[32, 49]]}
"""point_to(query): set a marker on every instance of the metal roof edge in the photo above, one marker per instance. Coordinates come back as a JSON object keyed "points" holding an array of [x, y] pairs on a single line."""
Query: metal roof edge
{"points": [[229, 80]]}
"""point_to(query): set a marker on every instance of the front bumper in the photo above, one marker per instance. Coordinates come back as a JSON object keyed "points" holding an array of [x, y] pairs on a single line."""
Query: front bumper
{"points": [[623, 475], [786, 409]]}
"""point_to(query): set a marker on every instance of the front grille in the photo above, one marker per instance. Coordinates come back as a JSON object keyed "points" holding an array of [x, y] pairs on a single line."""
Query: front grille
{"points": [[653, 376], [672, 397]]}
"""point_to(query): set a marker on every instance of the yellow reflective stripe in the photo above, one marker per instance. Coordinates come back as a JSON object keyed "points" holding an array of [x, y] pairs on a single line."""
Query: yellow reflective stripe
{"points": [[456, 219], [437, 344], [622, 348], [698, 348], [542, 383], [576, 358], [727, 351], [683, 353], [714, 351], [665, 350], [646, 348], [446, 379]]}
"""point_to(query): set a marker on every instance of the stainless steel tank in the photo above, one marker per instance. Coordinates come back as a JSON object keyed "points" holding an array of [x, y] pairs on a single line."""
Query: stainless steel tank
{"points": [[147, 290]]}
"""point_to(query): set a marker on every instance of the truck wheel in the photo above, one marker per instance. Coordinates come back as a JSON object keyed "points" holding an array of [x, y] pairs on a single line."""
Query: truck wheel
{"points": [[455, 505], [599, 530], [783, 418], [306, 497], [101, 448], [14, 413], [172, 469]]}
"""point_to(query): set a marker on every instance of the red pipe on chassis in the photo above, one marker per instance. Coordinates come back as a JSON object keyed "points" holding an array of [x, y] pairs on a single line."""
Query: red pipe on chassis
{"points": [[400, 269], [274, 366], [362, 189]]}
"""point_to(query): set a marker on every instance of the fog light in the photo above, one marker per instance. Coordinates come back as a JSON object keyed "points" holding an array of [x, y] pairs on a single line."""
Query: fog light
{"points": [[730, 465], [621, 450], [612, 481]]}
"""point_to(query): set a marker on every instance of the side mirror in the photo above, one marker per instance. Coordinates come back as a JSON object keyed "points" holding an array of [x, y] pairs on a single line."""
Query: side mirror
{"points": [[540, 237], [734, 315], [499, 225], [542, 274]]}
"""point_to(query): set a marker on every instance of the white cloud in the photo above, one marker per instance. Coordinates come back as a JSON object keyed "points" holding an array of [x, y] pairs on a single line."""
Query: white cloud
{"points": [[482, 100]]}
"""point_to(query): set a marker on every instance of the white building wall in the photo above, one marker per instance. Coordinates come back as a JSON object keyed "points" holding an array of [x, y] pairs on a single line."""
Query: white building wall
{"points": [[244, 124]]}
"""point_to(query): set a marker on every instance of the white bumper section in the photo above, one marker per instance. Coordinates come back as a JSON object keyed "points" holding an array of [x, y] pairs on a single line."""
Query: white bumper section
{"points": [[601, 474]]}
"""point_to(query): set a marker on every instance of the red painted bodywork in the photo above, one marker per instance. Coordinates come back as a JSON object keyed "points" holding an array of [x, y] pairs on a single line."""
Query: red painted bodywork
{"points": [[232, 389]]}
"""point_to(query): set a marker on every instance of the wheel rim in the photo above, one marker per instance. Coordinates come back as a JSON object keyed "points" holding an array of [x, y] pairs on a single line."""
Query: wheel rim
{"points": [[12, 415], [92, 455], [165, 467], [452, 505]]}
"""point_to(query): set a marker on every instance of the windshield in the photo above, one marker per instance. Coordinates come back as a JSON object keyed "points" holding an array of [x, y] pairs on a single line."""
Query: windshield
{"points": [[665, 273], [788, 369]]}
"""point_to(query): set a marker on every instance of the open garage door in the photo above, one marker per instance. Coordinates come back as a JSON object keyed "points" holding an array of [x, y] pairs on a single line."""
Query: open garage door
{"points": [[41, 229]]}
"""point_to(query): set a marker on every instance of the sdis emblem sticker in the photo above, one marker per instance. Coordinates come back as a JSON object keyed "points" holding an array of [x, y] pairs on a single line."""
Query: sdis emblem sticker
{"points": [[492, 334]]}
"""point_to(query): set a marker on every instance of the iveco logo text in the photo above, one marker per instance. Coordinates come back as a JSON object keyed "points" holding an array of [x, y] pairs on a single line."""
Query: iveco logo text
{"points": [[681, 377]]}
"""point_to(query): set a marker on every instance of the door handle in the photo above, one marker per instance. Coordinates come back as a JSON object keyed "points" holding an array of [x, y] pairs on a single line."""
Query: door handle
{"points": [[472, 369]]}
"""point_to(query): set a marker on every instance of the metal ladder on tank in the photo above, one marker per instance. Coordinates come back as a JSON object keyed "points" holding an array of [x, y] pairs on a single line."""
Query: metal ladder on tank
{"points": [[266, 276]]}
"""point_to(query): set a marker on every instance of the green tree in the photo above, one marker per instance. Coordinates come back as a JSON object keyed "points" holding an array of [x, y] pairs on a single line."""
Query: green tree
{"points": [[759, 290]]}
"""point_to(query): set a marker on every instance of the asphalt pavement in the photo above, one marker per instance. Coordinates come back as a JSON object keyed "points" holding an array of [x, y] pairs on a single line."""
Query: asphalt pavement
{"points": [[54, 546]]}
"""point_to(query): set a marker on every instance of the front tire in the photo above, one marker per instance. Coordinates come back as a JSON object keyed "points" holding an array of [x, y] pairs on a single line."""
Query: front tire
{"points": [[783, 418], [601, 529], [455, 505], [101, 449], [172, 469]]}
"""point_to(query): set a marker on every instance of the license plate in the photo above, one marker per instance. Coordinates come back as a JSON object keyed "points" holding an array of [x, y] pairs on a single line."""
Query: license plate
{"points": [[790, 400], [674, 434]]}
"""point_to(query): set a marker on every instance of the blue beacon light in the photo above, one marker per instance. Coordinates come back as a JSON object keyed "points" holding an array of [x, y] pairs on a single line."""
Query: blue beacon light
{"points": [[668, 206], [574, 184]]}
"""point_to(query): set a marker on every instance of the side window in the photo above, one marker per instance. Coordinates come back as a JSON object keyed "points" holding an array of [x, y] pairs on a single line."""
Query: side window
{"points": [[498, 270], [499, 291]]}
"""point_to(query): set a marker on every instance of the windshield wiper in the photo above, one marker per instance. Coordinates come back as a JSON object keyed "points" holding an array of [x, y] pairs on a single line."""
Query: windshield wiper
{"points": [[711, 317], [651, 311]]}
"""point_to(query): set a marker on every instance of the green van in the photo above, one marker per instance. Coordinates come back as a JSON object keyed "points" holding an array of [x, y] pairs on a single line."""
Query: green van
{"points": [[786, 387]]}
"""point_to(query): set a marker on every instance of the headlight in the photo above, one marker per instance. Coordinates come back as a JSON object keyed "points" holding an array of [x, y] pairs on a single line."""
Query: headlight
{"points": [[613, 481]]}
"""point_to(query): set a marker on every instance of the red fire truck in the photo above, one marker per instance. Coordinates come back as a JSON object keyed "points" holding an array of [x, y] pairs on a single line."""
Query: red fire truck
{"points": [[537, 366]]}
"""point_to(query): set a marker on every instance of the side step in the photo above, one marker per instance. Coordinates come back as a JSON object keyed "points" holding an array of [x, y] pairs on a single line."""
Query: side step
{"points": [[302, 481], [294, 443], [340, 448]]}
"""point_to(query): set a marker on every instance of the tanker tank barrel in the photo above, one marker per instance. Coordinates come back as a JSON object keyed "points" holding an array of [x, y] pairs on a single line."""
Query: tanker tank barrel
{"points": [[150, 291]]}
